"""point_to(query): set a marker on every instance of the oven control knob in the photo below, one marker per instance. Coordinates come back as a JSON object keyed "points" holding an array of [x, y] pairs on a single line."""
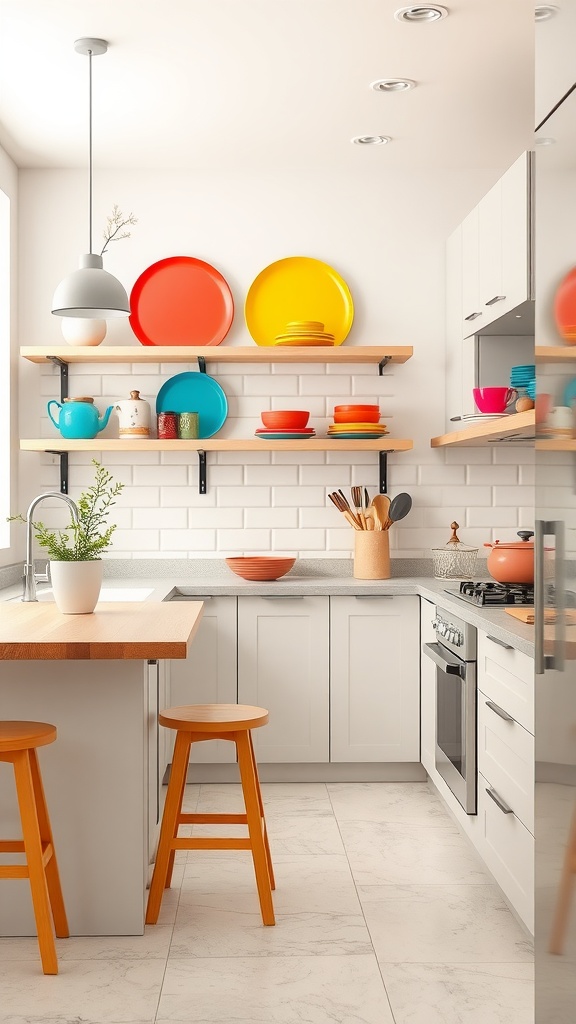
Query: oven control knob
{"points": [[458, 638]]}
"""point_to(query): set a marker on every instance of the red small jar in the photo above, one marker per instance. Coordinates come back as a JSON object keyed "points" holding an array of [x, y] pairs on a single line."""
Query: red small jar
{"points": [[167, 426]]}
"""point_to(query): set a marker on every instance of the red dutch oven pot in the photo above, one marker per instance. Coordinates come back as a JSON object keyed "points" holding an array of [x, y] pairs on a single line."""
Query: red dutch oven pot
{"points": [[512, 562]]}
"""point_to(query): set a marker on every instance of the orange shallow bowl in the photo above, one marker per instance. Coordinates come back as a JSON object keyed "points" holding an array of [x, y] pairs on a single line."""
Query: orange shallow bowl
{"points": [[356, 408], [260, 568], [358, 416], [285, 419]]}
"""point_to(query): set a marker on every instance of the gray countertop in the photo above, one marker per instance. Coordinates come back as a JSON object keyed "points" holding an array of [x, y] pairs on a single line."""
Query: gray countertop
{"points": [[443, 593]]}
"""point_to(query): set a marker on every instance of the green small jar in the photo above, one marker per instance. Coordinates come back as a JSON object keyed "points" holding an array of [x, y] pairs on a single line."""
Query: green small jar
{"points": [[188, 426]]}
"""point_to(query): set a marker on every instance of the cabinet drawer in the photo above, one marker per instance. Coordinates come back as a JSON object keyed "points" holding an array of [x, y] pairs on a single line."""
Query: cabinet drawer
{"points": [[508, 850], [506, 676], [506, 759]]}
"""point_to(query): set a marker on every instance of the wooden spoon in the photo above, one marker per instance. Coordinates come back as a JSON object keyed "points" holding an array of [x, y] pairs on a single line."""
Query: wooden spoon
{"points": [[380, 506]]}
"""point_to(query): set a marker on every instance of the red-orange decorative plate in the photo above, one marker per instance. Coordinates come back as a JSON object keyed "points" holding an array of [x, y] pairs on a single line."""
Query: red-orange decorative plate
{"points": [[181, 301], [565, 307]]}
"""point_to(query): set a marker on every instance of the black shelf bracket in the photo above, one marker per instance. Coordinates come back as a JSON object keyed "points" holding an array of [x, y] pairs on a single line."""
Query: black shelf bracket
{"points": [[382, 364], [63, 456], [63, 377], [202, 364], [201, 471], [383, 472]]}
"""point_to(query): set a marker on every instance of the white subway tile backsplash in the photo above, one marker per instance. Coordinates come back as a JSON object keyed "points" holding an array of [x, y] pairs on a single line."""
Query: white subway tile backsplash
{"points": [[315, 406], [161, 475], [331, 476], [439, 474], [140, 497], [506, 474], [528, 474], [129, 540], [216, 518], [298, 540], [186, 540], [471, 496], [492, 516], [467, 456], [437, 517], [324, 518], [298, 458], [233, 475], [232, 497], [321, 384], [160, 518], [268, 518], [187, 497], [297, 496], [248, 408], [340, 540], [253, 458], [271, 475], [270, 385], [243, 541], [516, 454], [513, 496]]}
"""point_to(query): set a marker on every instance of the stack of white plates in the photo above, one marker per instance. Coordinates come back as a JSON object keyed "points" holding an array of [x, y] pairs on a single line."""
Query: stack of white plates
{"points": [[478, 417]]}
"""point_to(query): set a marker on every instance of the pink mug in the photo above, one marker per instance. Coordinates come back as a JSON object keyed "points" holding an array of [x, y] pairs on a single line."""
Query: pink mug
{"points": [[494, 399]]}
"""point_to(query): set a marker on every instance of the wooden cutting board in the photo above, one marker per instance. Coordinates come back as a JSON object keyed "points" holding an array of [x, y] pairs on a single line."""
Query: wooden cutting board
{"points": [[526, 614]]}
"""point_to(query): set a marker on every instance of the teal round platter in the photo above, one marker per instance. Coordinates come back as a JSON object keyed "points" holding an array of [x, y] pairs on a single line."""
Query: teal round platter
{"points": [[195, 392], [284, 437], [356, 437]]}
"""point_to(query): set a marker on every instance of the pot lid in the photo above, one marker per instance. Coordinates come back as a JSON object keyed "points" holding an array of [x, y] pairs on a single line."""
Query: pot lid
{"points": [[524, 544]]}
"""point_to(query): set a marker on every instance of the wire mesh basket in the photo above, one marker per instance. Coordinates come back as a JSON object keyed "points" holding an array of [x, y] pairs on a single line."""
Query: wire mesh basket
{"points": [[455, 561]]}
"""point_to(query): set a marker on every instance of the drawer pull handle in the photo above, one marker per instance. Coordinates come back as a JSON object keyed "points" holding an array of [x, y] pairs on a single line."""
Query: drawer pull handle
{"points": [[373, 597], [507, 647], [497, 298], [283, 597], [499, 801], [472, 316], [498, 711]]}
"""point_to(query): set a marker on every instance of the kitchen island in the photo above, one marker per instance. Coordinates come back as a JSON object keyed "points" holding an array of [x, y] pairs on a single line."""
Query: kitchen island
{"points": [[100, 680]]}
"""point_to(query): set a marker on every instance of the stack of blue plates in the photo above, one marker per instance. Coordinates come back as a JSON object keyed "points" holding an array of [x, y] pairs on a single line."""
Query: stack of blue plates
{"points": [[523, 378]]}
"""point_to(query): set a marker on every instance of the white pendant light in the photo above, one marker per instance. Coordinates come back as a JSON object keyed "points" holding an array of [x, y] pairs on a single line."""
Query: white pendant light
{"points": [[91, 291]]}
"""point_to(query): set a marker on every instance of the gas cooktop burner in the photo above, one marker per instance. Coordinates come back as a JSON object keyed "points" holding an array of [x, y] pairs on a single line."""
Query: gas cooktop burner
{"points": [[497, 593]]}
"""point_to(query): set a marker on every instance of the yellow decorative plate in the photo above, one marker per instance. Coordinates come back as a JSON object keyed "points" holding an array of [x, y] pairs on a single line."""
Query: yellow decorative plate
{"points": [[350, 428], [289, 292], [306, 343]]}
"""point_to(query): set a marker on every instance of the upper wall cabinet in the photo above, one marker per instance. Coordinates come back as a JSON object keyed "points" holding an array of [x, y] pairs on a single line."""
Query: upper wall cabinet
{"points": [[496, 250]]}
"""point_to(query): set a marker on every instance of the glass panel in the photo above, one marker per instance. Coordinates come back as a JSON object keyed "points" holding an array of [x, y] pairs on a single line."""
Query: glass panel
{"points": [[555, 636]]}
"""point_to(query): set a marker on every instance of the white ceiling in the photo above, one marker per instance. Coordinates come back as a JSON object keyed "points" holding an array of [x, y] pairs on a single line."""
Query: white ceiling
{"points": [[256, 84]]}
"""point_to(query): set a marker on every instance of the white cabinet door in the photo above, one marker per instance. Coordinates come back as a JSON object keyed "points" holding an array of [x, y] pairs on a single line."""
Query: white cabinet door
{"points": [[472, 309], [516, 234], [427, 688], [507, 847], [490, 255], [208, 674], [283, 666], [374, 679], [453, 361]]}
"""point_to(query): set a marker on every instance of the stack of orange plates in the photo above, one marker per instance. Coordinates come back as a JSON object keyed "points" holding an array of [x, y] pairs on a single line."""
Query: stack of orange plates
{"points": [[305, 333], [360, 422], [260, 567]]}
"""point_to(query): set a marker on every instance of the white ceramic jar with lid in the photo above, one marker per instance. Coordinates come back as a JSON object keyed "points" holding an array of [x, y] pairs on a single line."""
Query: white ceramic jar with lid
{"points": [[133, 416]]}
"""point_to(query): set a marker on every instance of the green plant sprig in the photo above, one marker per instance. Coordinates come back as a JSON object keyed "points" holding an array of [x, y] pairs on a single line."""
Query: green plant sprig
{"points": [[89, 538]]}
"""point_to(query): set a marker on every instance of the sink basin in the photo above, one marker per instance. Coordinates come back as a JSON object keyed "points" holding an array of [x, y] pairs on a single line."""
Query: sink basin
{"points": [[106, 594]]}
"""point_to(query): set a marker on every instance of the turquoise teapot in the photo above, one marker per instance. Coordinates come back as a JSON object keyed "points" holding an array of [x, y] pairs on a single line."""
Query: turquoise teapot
{"points": [[78, 418]]}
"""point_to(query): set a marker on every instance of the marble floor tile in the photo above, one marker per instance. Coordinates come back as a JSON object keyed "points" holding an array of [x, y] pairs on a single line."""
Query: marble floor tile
{"points": [[154, 944], [399, 853], [316, 883], [293, 834], [279, 798], [412, 803], [84, 992], [450, 994], [278, 990], [452, 924], [190, 799], [230, 925]]}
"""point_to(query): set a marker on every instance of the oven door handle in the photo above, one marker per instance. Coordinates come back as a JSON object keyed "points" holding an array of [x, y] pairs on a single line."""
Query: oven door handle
{"points": [[448, 663]]}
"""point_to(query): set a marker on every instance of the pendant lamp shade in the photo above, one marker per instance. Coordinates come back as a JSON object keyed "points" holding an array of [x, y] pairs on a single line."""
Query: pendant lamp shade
{"points": [[90, 292]]}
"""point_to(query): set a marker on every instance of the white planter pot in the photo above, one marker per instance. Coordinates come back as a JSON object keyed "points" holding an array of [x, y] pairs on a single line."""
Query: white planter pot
{"points": [[76, 585]]}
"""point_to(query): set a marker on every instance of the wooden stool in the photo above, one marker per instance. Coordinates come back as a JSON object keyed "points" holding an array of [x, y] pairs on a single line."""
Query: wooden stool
{"points": [[18, 742], [565, 890], [195, 723]]}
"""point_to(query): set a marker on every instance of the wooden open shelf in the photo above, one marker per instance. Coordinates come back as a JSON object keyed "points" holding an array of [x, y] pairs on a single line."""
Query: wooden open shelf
{"points": [[216, 354], [213, 444], [555, 353], [521, 425], [556, 444]]}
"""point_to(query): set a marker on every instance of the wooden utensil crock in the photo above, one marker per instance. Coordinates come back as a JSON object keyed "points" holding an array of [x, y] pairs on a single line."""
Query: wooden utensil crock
{"points": [[371, 555]]}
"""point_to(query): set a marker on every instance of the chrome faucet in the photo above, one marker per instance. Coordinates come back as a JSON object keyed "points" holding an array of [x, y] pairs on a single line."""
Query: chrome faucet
{"points": [[31, 578]]}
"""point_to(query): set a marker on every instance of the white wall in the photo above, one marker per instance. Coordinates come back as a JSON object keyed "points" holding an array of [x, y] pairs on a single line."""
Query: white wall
{"points": [[385, 233], [9, 185]]}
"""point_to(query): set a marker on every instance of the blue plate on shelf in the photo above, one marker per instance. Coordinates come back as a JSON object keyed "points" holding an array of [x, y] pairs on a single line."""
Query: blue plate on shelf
{"points": [[356, 437], [570, 392], [195, 392]]}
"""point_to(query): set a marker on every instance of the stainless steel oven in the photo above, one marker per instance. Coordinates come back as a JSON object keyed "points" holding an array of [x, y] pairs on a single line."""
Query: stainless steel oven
{"points": [[455, 656]]}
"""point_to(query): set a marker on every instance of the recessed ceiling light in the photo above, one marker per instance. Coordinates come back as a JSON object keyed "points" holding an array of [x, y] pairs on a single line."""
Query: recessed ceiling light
{"points": [[543, 141], [543, 12], [421, 12], [371, 140], [393, 85]]}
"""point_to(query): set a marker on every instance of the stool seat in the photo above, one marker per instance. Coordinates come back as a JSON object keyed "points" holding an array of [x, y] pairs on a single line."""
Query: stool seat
{"points": [[18, 742], [196, 723], [25, 735], [213, 717]]}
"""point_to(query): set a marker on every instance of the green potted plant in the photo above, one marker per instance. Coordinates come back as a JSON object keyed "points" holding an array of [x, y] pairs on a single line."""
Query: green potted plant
{"points": [[75, 552]]}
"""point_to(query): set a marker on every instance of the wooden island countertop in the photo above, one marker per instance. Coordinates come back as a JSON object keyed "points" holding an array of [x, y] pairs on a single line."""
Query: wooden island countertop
{"points": [[115, 630]]}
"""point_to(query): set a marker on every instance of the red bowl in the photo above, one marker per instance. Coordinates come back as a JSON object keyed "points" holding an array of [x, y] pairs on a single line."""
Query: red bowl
{"points": [[368, 415], [565, 307], [265, 567], [285, 419]]}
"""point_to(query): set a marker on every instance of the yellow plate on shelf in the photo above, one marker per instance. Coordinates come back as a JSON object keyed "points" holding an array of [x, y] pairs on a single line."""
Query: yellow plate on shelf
{"points": [[292, 289], [307, 335], [351, 428], [306, 343]]}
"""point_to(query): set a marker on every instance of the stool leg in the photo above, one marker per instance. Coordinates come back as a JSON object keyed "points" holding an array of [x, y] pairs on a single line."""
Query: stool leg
{"points": [[564, 897], [33, 851], [261, 805], [169, 826], [254, 821], [172, 856], [52, 873]]}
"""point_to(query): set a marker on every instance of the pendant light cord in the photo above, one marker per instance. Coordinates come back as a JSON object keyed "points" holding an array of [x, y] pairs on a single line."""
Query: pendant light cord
{"points": [[90, 149]]}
